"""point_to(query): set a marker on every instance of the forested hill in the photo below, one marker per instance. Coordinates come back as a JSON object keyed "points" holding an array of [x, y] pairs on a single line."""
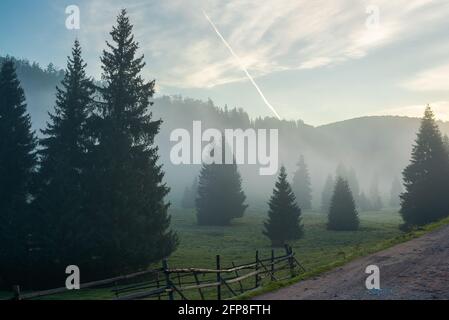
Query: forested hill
{"points": [[39, 85], [373, 146]]}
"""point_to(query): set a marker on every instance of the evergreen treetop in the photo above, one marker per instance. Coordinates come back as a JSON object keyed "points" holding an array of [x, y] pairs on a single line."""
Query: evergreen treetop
{"points": [[284, 215], [127, 192], [220, 197], [65, 137], [60, 198], [343, 215], [426, 178], [17, 143]]}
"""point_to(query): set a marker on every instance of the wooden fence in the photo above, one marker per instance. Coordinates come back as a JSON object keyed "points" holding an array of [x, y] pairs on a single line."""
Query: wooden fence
{"points": [[193, 283]]}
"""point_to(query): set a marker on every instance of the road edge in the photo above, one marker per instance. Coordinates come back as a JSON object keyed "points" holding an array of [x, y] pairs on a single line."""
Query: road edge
{"points": [[383, 245]]}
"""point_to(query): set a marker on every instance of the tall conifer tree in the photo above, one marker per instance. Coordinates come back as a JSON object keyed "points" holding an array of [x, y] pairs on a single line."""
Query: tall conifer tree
{"points": [[284, 216], [220, 196], [426, 179], [343, 215], [17, 165], [351, 177], [60, 200], [127, 190]]}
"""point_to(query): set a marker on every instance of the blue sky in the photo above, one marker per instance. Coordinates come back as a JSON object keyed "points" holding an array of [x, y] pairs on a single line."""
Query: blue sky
{"points": [[320, 61]]}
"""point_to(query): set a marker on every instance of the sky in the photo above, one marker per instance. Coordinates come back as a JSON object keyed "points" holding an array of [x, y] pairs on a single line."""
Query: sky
{"points": [[318, 61]]}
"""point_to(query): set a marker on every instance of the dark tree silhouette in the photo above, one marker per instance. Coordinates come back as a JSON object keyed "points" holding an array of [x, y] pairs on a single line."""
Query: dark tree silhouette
{"points": [[284, 216], [220, 196], [351, 177], [60, 199], [426, 179], [126, 185], [301, 185], [343, 215], [17, 164]]}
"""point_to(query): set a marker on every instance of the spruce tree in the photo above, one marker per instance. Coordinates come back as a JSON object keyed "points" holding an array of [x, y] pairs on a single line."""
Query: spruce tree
{"points": [[60, 199], [343, 215], [284, 216], [126, 187], [301, 185], [17, 165], [426, 179], [326, 195], [220, 196], [351, 177]]}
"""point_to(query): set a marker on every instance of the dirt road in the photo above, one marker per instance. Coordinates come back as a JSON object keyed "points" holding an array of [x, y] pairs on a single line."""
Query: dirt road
{"points": [[418, 269]]}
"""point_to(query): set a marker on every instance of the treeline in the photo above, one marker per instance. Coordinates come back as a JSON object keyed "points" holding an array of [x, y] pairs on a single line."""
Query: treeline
{"points": [[90, 192], [32, 72], [218, 196], [324, 147]]}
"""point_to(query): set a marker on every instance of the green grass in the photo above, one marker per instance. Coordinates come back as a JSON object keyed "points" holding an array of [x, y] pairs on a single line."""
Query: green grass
{"points": [[320, 250], [238, 243], [376, 247]]}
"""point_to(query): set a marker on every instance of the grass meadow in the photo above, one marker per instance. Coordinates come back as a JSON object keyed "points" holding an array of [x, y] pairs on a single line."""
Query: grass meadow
{"points": [[318, 251]]}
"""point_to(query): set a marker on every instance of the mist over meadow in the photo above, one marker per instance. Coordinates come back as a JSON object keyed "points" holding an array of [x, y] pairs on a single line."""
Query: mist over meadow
{"points": [[374, 148]]}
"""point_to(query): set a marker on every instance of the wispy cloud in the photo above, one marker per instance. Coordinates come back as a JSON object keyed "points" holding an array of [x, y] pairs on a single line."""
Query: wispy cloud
{"points": [[434, 79], [269, 37]]}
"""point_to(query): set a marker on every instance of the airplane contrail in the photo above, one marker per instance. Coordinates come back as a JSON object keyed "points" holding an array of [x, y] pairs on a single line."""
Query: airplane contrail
{"points": [[242, 66]]}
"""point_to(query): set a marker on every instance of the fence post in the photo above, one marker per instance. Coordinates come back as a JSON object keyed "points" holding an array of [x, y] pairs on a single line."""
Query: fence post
{"points": [[257, 269], [16, 291], [272, 265], [167, 279], [218, 278]]}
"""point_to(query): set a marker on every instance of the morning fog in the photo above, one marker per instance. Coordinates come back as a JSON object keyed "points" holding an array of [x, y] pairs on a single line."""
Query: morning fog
{"points": [[250, 146]]}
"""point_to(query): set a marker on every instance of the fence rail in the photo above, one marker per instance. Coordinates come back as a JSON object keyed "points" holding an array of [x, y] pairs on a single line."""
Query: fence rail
{"points": [[207, 283]]}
